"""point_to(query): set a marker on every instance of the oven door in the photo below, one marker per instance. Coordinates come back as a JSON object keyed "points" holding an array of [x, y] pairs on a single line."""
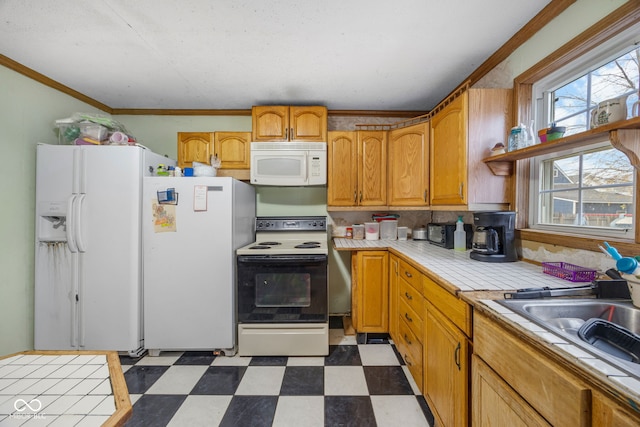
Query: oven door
{"points": [[282, 288]]}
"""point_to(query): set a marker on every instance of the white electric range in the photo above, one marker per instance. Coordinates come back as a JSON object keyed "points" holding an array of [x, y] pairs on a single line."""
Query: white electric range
{"points": [[282, 288]]}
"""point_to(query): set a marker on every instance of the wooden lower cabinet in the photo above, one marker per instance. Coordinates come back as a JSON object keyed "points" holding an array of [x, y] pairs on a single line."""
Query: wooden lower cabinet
{"points": [[370, 291], [607, 413], [559, 397], [393, 297], [409, 346], [445, 368], [497, 404]]}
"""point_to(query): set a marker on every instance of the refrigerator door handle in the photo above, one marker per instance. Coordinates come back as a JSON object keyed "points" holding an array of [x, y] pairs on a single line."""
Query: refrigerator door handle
{"points": [[74, 301], [71, 241], [78, 223]]}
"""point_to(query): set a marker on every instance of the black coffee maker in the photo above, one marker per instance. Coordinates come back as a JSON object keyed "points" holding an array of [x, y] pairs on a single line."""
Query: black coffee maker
{"points": [[493, 237]]}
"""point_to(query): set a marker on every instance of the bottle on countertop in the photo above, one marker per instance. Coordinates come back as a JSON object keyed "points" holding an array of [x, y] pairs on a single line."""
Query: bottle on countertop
{"points": [[460, 236]]}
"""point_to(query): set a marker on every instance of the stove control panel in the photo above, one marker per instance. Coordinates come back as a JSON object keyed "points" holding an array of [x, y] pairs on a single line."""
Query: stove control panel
{"points": [[302, 223]]}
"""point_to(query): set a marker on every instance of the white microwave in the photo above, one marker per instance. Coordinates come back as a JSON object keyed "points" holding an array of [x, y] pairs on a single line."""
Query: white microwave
{"points": [[289, 163]]}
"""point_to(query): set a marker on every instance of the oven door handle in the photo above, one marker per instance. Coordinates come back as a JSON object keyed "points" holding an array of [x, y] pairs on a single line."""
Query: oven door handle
{"points": [[282, 259]]}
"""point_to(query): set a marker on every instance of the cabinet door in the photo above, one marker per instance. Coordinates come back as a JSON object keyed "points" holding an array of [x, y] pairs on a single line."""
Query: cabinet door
{"points": [[233, 149], [370, 291], [194, 147], [562, 398], [448, 154], [308, 123], [372, 168], [342, 176], [409, 166], [446, 369], [608, 413], [497, 404], [270, 123]]}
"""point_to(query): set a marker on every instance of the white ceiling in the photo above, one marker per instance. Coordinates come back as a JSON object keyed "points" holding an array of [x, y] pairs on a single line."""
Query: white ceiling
{"points": [[216, 54]]}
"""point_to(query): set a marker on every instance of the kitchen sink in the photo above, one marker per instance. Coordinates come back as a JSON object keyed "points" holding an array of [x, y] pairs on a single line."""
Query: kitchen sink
{"points": [[564, 317]]}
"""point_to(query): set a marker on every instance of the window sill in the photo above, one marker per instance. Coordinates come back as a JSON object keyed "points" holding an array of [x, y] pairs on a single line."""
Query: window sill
{"points": [[587, 243], [624, 135]]}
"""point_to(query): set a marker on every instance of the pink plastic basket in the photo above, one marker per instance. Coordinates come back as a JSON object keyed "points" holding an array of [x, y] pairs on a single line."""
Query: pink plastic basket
{"points": [[566, 271]]}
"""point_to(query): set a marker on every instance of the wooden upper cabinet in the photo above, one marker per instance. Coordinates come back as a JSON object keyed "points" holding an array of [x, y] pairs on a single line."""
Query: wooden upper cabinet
{"points": [[194, 147], [449, 154], [308, 123], [342, 176], [270, 123], [233, 149], [409, 166], [461, 135], [357, 168], [372, 168], [289, 123]]}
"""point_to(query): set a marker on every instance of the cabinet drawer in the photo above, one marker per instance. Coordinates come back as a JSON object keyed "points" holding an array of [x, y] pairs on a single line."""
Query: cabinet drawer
{"points": [[409, 315], [410, 274], [410, 349], [410, 341], [410, 295], [458, 311], [561, 398]]}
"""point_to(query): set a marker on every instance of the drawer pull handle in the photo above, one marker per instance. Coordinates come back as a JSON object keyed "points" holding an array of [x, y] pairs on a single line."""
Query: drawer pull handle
{"points": [[408, 295], [406, 338], [456, 356], [407, 361], [406, 315], [407, 274]]}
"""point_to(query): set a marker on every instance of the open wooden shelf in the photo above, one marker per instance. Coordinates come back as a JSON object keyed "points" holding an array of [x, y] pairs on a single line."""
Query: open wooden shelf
{"points": [[624, 135]]}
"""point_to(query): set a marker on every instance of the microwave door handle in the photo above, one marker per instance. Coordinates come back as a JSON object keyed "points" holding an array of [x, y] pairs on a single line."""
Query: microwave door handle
{"points": [[306, 168]]}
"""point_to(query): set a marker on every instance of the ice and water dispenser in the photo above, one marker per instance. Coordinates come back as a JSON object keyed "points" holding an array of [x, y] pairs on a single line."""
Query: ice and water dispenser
{"points": [[52, 222]]}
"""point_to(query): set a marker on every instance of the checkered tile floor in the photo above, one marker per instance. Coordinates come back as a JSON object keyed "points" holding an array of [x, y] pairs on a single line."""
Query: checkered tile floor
{"points": [[356, 385]]}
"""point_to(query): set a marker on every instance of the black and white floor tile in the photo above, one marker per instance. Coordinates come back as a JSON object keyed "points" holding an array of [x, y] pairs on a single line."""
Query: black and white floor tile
{"points": [[355, 385]]}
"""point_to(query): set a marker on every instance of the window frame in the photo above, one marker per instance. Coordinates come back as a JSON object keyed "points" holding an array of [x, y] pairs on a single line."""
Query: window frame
{"points": [[603, 32], [595, 232]]}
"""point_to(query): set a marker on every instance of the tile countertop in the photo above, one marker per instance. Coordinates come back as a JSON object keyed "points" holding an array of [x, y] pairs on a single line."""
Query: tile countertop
{"points": [[461, 272], [464, 274]]}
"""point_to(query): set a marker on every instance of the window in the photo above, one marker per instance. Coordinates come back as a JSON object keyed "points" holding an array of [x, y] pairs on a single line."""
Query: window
{"points": [[588, 192], [571, 105], [592, 190]]}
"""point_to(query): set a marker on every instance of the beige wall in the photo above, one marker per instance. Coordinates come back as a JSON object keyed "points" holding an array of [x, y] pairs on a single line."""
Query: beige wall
{"points": [[27, 112]]}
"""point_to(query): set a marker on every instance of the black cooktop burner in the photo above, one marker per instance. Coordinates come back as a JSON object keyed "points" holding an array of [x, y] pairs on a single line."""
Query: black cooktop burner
{"points": [[260, 247], [308, 245], [269, 243]]}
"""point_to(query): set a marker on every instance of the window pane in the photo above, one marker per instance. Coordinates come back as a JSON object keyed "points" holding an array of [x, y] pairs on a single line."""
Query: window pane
{"points": [[565, 173], [592, 189], [570, 99], [606, 167], [574, 124], [560, 208], [616, 78]]}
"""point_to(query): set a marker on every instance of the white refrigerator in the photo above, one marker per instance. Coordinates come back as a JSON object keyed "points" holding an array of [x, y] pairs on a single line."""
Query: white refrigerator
{"points": [[192, 227], [88, 277]]}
